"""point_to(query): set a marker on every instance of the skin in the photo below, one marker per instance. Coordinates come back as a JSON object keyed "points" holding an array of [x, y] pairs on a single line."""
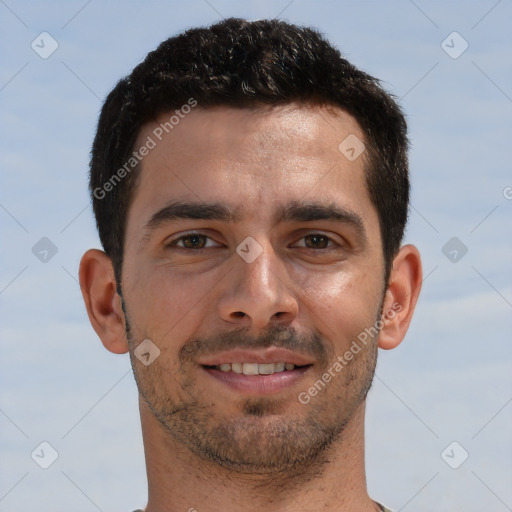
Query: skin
{"points": [[210, 447]]}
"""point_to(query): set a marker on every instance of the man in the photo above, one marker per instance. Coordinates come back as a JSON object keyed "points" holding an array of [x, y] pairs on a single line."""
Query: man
{"points": [[251, 190]]}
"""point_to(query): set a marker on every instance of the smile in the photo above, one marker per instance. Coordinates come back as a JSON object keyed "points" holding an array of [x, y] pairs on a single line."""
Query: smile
{"points": [[255, 368], [257, 379]]}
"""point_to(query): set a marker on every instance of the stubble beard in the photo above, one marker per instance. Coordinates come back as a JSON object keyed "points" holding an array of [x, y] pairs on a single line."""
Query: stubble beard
{"points": [[260, 440]]}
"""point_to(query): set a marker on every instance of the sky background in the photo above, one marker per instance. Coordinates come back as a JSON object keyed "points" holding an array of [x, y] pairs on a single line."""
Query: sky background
{"points": [[449, 382]]}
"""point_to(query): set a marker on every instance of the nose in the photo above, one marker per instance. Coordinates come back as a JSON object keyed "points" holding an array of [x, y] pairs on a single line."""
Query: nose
{"points": [[258, 294]]}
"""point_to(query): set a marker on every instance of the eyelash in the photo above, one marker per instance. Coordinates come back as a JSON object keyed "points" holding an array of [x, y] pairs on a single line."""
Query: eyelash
{"points": [[174, 243]]}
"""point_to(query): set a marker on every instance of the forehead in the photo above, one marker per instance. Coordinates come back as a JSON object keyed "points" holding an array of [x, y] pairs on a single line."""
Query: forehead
{"points": [[242, 134], [253, 160]]}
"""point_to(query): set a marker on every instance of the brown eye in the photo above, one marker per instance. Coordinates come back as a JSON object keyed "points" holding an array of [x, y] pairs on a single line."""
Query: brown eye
{"points": [[193, 241], [316, 241]]}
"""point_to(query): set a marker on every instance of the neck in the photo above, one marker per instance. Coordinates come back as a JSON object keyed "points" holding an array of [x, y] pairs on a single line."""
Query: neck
{"points": [[179, 480]]}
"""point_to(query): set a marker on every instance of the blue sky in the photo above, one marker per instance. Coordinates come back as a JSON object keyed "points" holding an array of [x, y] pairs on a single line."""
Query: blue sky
{"points": [[450, 380]]}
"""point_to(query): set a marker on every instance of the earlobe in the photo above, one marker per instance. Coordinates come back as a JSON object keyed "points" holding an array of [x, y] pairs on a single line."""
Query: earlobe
{"points": [[401, 297], [103, 304]]}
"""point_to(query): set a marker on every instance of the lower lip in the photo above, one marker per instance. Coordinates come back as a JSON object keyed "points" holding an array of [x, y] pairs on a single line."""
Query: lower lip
{"points": [[258, 384]]}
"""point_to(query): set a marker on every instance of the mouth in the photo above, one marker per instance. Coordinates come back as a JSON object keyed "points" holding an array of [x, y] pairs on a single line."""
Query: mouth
{"points": [[255, 368], [257, 373]]}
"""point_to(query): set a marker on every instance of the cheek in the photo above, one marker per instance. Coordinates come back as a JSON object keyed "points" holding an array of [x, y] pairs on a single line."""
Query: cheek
{"points": [[164, 303], [341, 305]]}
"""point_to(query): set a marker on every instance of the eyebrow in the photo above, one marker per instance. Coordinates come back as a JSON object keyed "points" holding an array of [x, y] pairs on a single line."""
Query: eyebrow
{"points": [[181, 210], [292, 212], [308, 212]]}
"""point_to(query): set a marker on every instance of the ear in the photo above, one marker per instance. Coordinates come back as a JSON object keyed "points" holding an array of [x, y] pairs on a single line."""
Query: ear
{"points": [[401, 296], [98, 285]]}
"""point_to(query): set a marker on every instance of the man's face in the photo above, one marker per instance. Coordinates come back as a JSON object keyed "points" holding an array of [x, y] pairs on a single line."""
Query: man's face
{"points": [[251, 241]]}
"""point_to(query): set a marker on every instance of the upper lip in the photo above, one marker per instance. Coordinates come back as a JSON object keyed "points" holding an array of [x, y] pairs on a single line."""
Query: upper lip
{"points": [[260, 356]]}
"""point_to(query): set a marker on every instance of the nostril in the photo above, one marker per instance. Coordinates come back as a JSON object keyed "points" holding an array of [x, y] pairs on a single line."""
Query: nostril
{"points": [[239, 314]]}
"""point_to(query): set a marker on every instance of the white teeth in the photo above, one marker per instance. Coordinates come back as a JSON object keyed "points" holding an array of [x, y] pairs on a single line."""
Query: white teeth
{"points": [[266, 369], [237, 367], [255, 368], [278, 367], [250, 369]]}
